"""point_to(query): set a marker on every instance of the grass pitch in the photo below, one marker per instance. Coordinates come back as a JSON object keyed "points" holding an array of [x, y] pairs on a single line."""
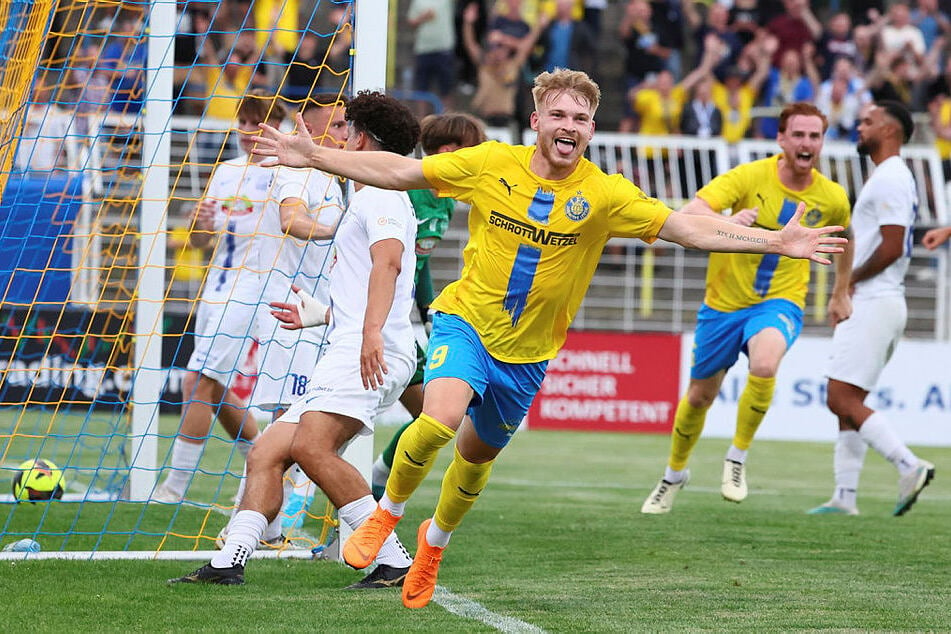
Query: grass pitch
{"points": [[557, 543]]}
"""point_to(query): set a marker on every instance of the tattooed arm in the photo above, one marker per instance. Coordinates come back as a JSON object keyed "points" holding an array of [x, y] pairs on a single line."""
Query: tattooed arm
{"points": [[708, 233]]}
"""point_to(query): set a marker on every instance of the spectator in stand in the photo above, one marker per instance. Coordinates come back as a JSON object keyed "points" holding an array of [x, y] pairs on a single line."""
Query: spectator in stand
{"points": [[939, 111], [794, 28], [671, 20], [940, 83], [645, 55], [499, 68], [434, 68], [746, 19], [866, 39], [795, 80], [567, 42], [736, 95], [931, 21], [124, 60], [840, 98], [321, 62], [659, 102], [892, 78], [593, 12], [717, 23], [701, 117], [42, 139], [836, 42], [508, 20], [899, 35]]}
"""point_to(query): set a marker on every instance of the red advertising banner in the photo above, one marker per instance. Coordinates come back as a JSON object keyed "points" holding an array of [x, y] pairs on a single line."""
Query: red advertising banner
{"points": [[611, 382]]}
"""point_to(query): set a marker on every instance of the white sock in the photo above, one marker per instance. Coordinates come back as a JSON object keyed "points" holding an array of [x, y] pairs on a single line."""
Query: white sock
{"points": [[847, 465], [436, 536], [392, 552], [273, 529], [395, 509], [357, 512], [736, 455], [299, 480], [243, 534], [185, 457], [878, 434], [673, 476], [380, 472]]}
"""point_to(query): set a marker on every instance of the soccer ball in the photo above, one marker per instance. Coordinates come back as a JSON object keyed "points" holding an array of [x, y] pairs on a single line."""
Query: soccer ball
{"points": [[38, 480]]}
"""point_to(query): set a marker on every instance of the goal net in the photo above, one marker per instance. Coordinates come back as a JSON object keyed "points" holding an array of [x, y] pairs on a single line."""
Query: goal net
{"points": [[114, 117]]}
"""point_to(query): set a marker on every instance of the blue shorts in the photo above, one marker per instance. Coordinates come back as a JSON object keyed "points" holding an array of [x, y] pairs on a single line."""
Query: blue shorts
{"points": [[503, 391], [720, 337]]}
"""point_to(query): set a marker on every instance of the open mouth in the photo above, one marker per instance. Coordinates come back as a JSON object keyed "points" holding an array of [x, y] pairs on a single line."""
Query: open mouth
{"points": [[805, 156], [565, 145]]}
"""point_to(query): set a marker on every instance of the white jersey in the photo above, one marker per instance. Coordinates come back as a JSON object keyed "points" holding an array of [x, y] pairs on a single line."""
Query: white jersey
{"points": [[287, 260], [240, 189], [373, 215], [889, 197]]}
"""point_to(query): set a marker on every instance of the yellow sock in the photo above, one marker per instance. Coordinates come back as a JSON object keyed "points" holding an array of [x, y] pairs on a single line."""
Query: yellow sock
{"points": [[415, 454], [755, 400], [461, 486], [688, 424]]}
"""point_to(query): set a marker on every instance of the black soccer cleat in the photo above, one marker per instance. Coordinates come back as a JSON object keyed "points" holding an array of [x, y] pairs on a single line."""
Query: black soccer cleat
{"points": [[233, 576], [383, 576]]}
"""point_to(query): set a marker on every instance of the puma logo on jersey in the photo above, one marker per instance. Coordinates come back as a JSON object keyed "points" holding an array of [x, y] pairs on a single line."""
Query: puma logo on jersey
{"points": [[508, 187]]}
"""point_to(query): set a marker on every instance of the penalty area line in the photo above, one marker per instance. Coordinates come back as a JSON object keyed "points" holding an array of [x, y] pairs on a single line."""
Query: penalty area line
{"points": [[469, 609]]}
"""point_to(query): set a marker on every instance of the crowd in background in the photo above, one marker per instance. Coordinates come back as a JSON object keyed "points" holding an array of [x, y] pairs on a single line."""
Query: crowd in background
{"points": [[664, 66]]}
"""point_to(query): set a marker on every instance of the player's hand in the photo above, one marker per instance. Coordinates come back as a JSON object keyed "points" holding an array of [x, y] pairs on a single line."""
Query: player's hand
{"points": [[744, 217], [934, 238], [808, 243], [372, 364], [840, 308], [292, 150], [205, 215], [307, 313]]}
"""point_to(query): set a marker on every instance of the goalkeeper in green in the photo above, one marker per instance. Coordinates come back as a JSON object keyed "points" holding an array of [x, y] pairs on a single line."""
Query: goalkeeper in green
{"points": [[438, 134]]}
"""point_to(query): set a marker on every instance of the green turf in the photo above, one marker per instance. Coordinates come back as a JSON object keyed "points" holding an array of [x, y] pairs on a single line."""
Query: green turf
{"points": [[558, 542]]}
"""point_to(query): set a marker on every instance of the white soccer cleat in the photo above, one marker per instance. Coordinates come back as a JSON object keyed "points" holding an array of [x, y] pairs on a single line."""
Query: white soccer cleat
{"points": [[661, 499], [733, 485], [164, 495], [911, 484]]}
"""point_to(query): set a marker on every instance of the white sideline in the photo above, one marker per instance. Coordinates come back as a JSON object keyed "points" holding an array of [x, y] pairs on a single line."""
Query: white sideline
{"points": [[468, 609]]}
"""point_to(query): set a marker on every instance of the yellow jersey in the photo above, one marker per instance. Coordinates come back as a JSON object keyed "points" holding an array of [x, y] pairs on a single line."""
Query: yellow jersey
{"points": [[739, 280], [659, 115], [533, 243], [736, 120]]}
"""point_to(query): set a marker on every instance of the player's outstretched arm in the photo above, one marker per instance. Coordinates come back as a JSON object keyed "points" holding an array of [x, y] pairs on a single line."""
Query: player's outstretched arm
{"points": [[380, 169], [715, 234], [934, 238]]}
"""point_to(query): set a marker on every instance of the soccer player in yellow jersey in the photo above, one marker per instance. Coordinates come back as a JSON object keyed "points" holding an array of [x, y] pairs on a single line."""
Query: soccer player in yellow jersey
{"points": [[754, 302], [539, 219]]}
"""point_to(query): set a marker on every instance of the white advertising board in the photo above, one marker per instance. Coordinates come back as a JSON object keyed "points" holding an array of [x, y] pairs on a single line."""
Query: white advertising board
{"points": [[914, 391]]}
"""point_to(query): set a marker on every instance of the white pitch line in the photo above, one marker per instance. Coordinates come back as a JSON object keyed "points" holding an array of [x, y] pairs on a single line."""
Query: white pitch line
{"points": [[469, 609]]}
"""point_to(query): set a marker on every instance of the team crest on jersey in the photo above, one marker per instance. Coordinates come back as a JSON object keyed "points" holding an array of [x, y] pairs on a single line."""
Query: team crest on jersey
{"points": [[813, 216], [238, 206], [577, 208]]}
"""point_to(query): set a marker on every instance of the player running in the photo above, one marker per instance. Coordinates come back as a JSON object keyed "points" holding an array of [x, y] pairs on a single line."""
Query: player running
{"points": [[539, 219]]}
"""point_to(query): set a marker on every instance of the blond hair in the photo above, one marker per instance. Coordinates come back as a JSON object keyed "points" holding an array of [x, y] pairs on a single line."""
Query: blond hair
{"points": [[562, 80]]}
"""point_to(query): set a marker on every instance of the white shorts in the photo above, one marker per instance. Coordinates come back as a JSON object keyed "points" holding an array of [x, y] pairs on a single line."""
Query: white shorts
{"points": [[223, 337], [863, 343], [337, 387], [286, 363]]}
